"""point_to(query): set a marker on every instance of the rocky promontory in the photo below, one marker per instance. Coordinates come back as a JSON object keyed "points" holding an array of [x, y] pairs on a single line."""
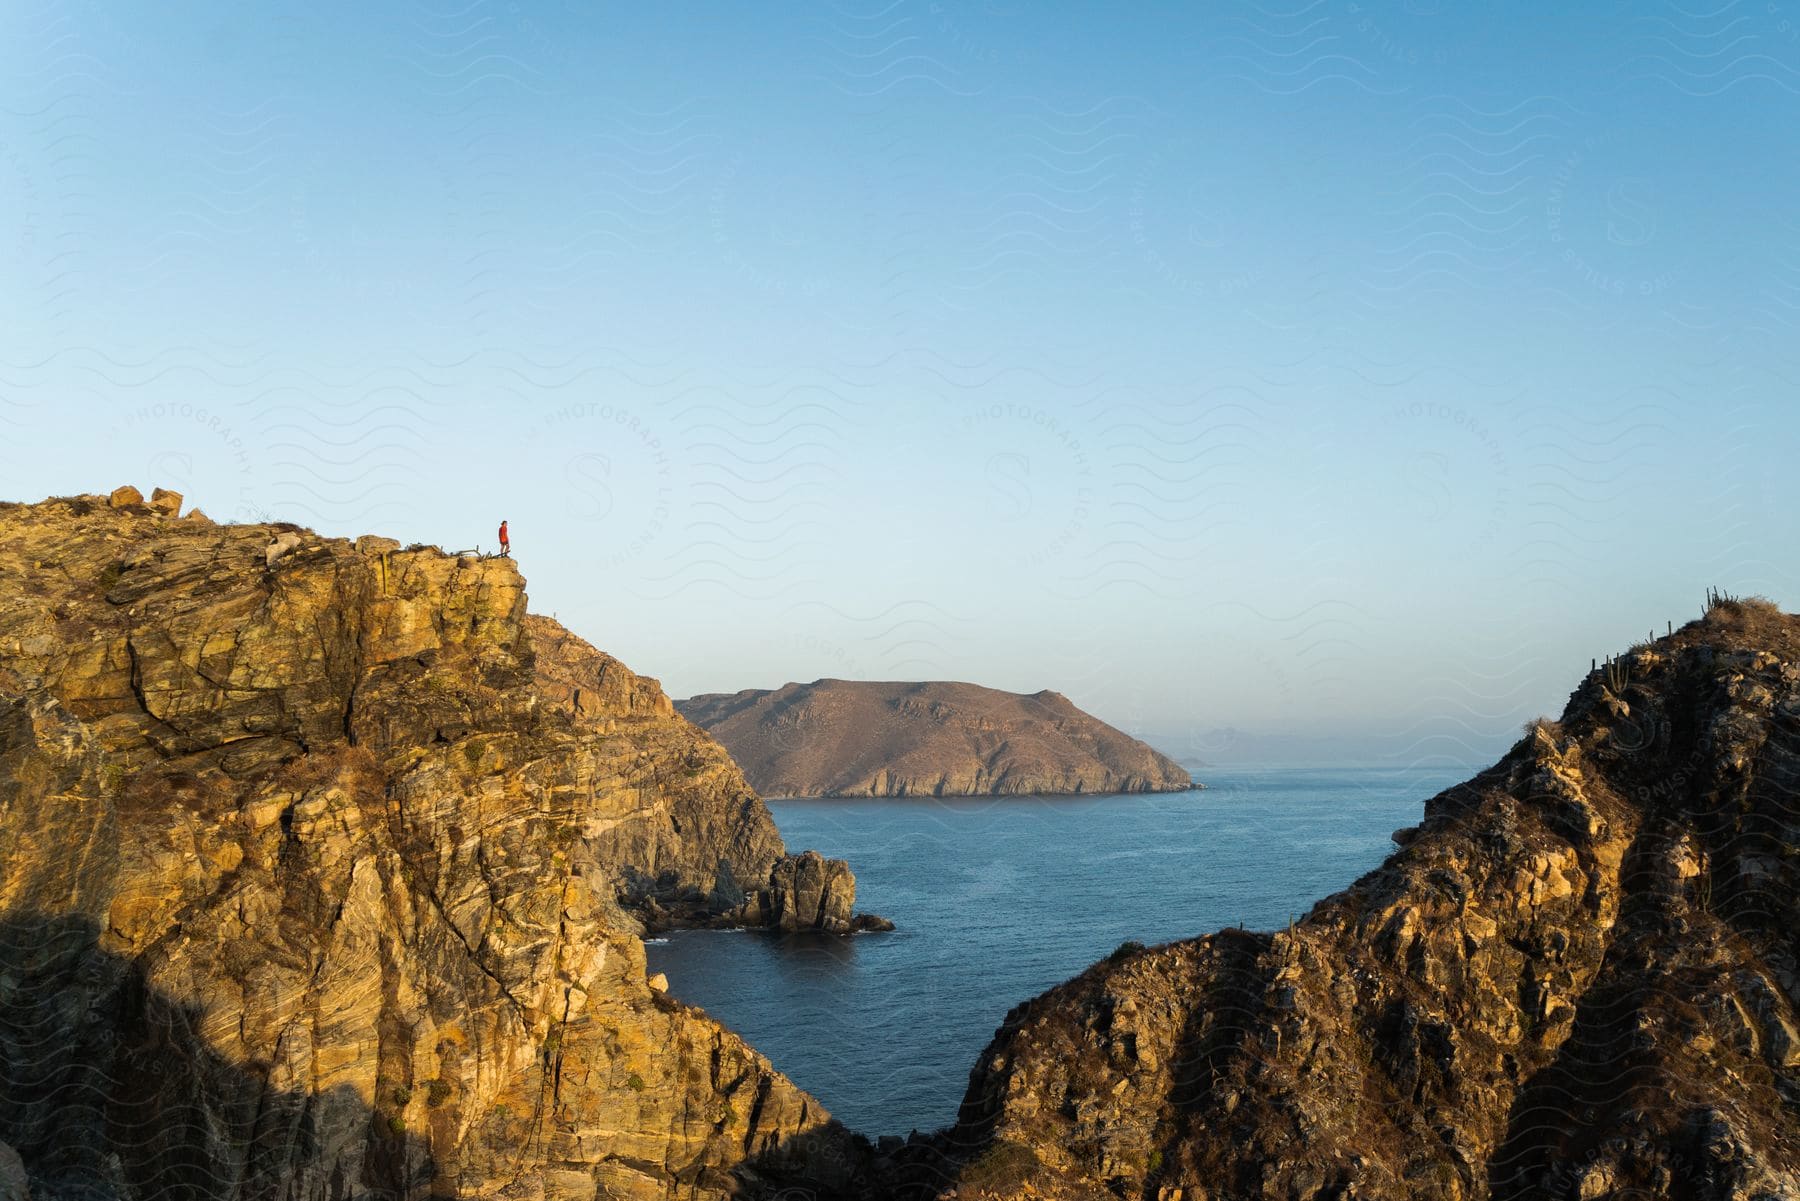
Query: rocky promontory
{"points": [[853, 738], [323, 870], [1576, 979]]}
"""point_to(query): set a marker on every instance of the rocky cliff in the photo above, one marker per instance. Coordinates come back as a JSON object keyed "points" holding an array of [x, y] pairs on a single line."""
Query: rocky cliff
{"points": [[322, 870], [860, 738], [1576, 979]]}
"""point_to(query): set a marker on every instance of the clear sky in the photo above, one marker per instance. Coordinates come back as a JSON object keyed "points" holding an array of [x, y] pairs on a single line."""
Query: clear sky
{"points": [[1342, 374]]}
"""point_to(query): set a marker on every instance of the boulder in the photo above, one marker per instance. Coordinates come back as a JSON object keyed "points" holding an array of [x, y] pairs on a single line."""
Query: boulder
{"points": [[13, 1183], [123, 496], [163, 501], [279, 545]]}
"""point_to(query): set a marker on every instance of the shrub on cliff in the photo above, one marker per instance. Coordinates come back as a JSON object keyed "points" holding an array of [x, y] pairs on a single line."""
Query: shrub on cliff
{"points": [[1125, 950], [1002, 1168]]}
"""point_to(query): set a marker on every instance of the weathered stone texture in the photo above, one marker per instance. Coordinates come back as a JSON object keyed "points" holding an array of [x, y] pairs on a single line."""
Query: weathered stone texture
{"points": [[322, 870], [1576, 979]]}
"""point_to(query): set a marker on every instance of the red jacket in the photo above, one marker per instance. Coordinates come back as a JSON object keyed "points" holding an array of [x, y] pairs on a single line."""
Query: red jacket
{"points": [[504, 540]]}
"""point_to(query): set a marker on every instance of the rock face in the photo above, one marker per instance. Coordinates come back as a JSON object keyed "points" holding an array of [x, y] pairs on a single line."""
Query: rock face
{"points": [[857, 738], [1576, 979], [811, 893], [322, 874]]}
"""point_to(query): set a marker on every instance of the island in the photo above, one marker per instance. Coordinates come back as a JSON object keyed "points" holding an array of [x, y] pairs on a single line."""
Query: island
{"points": [[863, 738]]}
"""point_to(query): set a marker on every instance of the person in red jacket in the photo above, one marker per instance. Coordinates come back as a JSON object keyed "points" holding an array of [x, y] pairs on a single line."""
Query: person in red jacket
{"points": [[505, 542]]}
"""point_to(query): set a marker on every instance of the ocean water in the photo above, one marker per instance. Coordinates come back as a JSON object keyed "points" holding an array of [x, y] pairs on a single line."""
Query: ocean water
{"points": [[998, 900]]}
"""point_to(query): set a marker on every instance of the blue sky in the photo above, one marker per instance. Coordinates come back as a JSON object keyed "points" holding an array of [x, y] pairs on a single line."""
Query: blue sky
{"points": [[1342, 373]]}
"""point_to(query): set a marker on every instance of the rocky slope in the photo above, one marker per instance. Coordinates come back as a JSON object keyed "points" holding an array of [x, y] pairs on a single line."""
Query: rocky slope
{"points": [[1576, 980], [860, 738], [322, 870]]}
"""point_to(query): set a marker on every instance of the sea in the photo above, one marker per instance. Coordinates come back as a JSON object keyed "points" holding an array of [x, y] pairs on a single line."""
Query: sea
{"points": [[996, 900]]}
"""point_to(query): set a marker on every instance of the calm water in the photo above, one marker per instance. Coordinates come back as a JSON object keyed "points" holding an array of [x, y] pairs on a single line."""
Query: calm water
{"points": [[997, 900]]}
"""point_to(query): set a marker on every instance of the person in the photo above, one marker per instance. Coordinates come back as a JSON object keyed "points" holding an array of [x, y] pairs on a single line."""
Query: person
{"points": [[505, 542]]}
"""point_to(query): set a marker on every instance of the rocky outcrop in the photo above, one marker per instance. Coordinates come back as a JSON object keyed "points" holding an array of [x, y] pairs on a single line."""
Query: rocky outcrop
{"points": [[859, 738], [810, 893], [322, 870], [1576, 979]]}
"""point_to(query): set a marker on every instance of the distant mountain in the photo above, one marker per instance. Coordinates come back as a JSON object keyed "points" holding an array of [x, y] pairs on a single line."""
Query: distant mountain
{"points": [[864, 738]]}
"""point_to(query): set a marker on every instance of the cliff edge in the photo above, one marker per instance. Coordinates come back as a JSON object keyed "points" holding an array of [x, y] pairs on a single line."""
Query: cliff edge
{"points": [[1576, 979], [322, 870], [855, 738]]}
